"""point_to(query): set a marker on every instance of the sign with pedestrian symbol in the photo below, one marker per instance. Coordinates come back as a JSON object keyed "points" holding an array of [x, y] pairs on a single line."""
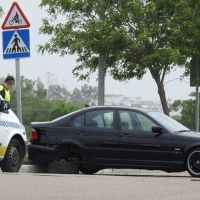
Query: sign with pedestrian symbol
{"points": [[15, 18], [16, 44]]}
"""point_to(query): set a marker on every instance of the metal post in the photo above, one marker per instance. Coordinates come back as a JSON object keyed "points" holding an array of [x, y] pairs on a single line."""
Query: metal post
{"points": [[101, 76], [197, 99], [18, 90]]}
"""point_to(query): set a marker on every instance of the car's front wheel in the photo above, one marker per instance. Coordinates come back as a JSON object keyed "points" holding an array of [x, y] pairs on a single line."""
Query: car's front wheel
{"points": [[193, 162], [13, 157], [87, 171]]}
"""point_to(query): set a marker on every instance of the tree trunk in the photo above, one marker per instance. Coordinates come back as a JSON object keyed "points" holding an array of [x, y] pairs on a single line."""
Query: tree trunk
{"points": [[161, 92]]}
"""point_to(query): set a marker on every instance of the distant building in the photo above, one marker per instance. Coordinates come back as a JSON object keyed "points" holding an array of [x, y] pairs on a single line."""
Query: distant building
{"points": [[126, 101], [113, 99]]}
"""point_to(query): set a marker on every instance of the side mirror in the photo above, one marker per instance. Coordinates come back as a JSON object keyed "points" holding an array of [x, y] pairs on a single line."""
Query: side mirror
{"points": [[4, 106], [157, 129]]}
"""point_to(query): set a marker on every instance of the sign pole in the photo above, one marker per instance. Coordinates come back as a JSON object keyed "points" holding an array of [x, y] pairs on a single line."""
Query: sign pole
{"points": [[197, 99], [101, 76], [18, 90]]}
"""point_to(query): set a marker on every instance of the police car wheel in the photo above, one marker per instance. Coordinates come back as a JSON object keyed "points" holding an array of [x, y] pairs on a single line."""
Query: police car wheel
{"points": [[13, 157]]}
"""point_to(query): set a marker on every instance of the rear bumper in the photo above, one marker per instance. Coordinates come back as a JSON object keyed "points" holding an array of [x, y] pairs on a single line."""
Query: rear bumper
{"points": [[40, 154]]}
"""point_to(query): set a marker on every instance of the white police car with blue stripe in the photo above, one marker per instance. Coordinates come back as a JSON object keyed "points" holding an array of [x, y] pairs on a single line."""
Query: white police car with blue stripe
{"points": [[13, 140]]}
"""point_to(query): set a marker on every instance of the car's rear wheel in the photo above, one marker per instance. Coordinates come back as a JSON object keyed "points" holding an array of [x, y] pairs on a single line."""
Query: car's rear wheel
{"points": [[193, 162], [58, 167], [87, 170], [13, 157]]}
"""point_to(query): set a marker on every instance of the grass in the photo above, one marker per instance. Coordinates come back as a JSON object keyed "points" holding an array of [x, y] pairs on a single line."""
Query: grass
{"points": [[26, 161]]}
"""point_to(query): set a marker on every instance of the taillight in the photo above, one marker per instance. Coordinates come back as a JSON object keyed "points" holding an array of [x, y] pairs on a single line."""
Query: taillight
{"points": [[34, 135]]}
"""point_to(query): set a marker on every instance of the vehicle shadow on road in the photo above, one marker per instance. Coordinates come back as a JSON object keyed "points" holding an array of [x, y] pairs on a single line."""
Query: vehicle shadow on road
{"points": [[149, 175]]}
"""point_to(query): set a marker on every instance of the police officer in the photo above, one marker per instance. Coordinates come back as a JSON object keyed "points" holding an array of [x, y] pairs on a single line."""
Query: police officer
{"points": [[5, 87]]}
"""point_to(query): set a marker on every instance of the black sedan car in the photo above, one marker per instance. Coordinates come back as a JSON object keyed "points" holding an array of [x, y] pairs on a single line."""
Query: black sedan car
{"points": [[100, 137]]}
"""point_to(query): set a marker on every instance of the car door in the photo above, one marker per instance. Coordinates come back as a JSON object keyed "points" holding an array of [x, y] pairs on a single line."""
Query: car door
{"points": [[138, 144], [97, 132]]}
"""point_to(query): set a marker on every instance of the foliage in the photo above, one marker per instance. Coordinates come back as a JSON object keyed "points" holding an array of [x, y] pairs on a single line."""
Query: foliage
{"points": [[177, 118], [134, 35], [1, 11], [187, 19], [187, 110], [62, 108]]}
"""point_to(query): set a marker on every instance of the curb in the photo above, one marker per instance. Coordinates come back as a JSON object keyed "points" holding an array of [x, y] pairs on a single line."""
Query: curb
{"points": [[44, 169]]}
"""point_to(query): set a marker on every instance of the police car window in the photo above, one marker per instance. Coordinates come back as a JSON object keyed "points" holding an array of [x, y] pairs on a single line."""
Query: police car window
{"points": [[79, 121]]}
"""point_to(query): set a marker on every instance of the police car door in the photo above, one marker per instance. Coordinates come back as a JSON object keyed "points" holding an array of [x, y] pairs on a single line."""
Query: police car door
{"points": [[2, 133]]}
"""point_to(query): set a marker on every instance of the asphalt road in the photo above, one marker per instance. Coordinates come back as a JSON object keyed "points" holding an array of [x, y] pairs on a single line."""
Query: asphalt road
{"points": [[152, 186]]}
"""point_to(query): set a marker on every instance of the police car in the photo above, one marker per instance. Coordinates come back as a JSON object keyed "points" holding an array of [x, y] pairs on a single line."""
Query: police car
{"points": [[13, 140]]}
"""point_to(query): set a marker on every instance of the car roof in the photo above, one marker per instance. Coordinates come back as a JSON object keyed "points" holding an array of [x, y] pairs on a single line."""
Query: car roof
{"points": [[119, 107], [144, 110]]}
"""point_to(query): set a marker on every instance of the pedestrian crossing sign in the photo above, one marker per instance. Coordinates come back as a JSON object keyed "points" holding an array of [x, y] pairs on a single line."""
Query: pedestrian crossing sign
{"points": [[16, 44]]}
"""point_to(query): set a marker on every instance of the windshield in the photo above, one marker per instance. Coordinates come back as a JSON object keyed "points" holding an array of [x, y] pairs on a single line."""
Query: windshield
{"points": [[168, 122]]}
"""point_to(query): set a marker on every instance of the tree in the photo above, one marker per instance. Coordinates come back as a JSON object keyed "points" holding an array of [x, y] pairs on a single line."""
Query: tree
{"points": [[89, 94], [58, 92], [1, 11], [34, 102], [135, 36], [2, 79], [187, 110], [39, 83], [76, 96], [62, 108], [187, 19]]}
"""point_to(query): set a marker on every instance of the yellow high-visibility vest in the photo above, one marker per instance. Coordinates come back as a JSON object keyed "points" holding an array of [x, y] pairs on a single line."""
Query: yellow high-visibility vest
{"points": [[7, 94]]}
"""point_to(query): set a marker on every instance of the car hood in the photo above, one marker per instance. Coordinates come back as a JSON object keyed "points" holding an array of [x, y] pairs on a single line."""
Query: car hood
{"points": [[192, 136]]}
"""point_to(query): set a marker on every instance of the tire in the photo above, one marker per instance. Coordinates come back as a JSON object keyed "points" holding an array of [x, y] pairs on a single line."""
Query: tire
{"points": [[11, 22], [19, 21], [193, 162], [58, 167], [13, 158], [88, 171]]}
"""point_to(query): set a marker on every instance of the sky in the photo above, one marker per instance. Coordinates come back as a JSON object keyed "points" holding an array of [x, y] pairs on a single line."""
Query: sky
{"points": [[38, 65]]}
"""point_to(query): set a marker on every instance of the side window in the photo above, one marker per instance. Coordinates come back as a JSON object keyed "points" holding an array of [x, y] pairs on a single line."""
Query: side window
{"points": [[125, 120], [79, 121], [145, 122], [100, 119], [135, 121]]}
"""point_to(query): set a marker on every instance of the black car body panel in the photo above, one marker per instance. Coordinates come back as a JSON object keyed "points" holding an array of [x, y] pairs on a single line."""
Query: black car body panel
{"points": [[112, 136]]}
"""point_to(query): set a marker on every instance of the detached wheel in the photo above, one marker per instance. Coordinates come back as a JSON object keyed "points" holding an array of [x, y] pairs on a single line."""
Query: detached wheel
{"points": [[13, 157], [58, 167], [88, 171], [193, 162]]}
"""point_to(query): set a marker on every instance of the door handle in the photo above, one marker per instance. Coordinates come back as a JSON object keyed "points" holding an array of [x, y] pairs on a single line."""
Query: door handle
{"points": [[125, 135], [82, 133]]}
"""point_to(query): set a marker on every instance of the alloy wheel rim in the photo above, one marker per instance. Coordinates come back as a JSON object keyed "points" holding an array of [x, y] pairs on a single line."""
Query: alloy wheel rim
{"points": [[194, 162], [14, 156]]}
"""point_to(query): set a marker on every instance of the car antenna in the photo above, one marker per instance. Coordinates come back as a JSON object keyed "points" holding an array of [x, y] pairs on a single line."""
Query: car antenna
{"points": [[86, 106]]}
